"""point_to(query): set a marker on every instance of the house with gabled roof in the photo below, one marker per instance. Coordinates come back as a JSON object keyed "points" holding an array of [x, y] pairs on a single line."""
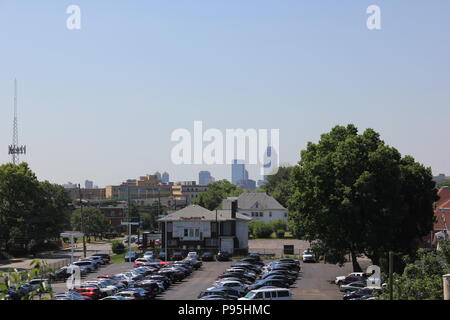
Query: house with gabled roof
{"points": [[259, 206], [195, 228]]}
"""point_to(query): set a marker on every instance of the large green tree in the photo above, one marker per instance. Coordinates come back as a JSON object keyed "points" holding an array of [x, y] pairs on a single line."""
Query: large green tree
{"points": [[217, 191], [355, 194], [31, 212]]}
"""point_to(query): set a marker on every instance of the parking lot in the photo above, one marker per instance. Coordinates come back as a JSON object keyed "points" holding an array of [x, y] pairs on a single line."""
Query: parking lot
{"points": [[315, 282]]}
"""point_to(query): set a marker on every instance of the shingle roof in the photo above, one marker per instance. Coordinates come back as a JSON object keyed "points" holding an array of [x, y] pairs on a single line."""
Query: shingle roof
{"points": [[248, 201], [198, 213]]}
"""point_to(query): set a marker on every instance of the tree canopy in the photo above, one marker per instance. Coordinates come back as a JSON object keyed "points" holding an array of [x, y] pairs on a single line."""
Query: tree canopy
{"points": [[31, 212], [279, 185], [217, 191], [355, 194]]}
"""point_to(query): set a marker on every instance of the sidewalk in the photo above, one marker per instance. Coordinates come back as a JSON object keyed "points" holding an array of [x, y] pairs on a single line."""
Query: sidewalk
{"points": [[57, 259]]}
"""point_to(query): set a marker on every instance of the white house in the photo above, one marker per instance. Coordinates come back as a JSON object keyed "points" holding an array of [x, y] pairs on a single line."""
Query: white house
{"points": [[197, 228], [259, 206]]}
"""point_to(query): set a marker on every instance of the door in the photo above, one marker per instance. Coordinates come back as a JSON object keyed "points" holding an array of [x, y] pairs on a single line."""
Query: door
{"points": [[227, 244]]}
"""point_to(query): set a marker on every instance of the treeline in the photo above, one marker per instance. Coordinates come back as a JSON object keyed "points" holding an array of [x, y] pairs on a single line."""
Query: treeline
{"points": [[32, 213]]}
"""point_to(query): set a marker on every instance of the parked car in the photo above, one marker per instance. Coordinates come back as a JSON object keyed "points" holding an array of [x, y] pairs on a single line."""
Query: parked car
{"points": [[132, 295], [353, 286], [114, 298], [70, 295], [148, 255], [39, 283], [281, 278], [177, 256], [97, 260], [90, 291], [267, 282], [223, 256], [106, 257], [308, 256], [106, 290], [162, 256], [207, 256], [89, 265], [60, 274], [352, 277], [268, 294], [218, 292], [130, 256], [361, 293], [233, 284]]}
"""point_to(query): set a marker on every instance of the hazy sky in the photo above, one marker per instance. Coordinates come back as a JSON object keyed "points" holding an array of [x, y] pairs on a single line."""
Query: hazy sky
{"points": [[100, 103]]}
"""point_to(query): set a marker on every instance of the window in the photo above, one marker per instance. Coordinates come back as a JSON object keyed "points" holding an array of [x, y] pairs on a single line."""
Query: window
{"points": [[270, 214], [283, 293], [191, 233], [260, 214], [186, 232], [267, 295], [285, 214], [274, 294], [197, 232], [259, 295]]}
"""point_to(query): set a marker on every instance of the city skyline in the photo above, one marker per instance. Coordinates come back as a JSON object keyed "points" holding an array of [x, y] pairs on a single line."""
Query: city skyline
{"points": [[100, 103]]}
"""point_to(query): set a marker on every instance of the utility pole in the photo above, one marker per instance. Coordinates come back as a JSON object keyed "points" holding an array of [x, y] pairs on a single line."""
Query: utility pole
{"points": [[82, 221], [391, 273]]}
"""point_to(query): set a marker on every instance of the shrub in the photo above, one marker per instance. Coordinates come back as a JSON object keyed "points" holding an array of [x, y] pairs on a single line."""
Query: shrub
{"points": [[278, 225], [280, 233], [118, 247], [261, 229]]}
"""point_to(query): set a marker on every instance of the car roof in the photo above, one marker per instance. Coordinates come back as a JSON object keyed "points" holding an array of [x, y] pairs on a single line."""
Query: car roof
{"points": [[270, 289]]}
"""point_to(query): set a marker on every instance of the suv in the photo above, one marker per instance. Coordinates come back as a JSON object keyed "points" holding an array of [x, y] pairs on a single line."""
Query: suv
{"points": [[207, 256], [223, 256], [268, 294], [177, 256]]}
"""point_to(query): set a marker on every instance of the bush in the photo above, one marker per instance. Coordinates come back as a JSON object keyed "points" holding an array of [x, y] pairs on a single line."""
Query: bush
{"points": [[118, 247], [278, 225], [280, 233], [260, 229]]}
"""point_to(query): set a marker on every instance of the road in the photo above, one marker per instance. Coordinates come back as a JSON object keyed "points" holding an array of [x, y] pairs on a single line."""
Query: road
{"points": [[316, 281]]}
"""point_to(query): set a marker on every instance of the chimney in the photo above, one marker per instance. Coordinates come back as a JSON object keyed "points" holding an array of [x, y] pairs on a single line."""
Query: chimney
{"points": [[233, 209]]}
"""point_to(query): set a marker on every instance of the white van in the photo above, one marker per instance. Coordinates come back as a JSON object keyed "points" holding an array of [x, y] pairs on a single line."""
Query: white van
{"points": [[268, 294]]}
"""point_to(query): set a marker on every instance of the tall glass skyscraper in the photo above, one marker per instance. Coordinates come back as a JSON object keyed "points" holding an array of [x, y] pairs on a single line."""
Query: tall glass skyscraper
{"points": [[238, 171]]}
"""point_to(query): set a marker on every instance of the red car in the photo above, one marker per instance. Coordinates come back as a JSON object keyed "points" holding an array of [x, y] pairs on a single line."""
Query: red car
{"points": [[92, 292]]}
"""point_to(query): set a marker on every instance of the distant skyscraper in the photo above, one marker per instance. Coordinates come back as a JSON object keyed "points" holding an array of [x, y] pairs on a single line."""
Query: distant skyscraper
{"points": [[89, 184], [205, 178], [158, 175], [165, 178], [238, 171]]}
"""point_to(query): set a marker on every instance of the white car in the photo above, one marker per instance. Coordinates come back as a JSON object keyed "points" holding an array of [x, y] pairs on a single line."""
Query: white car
{"points": [[148, 255], [340, 279], [192, 255], [268, 294], [308, 256]]}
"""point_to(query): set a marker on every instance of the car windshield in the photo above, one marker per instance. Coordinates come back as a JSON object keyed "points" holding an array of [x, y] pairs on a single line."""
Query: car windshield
{"points": [[250, 295]]}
